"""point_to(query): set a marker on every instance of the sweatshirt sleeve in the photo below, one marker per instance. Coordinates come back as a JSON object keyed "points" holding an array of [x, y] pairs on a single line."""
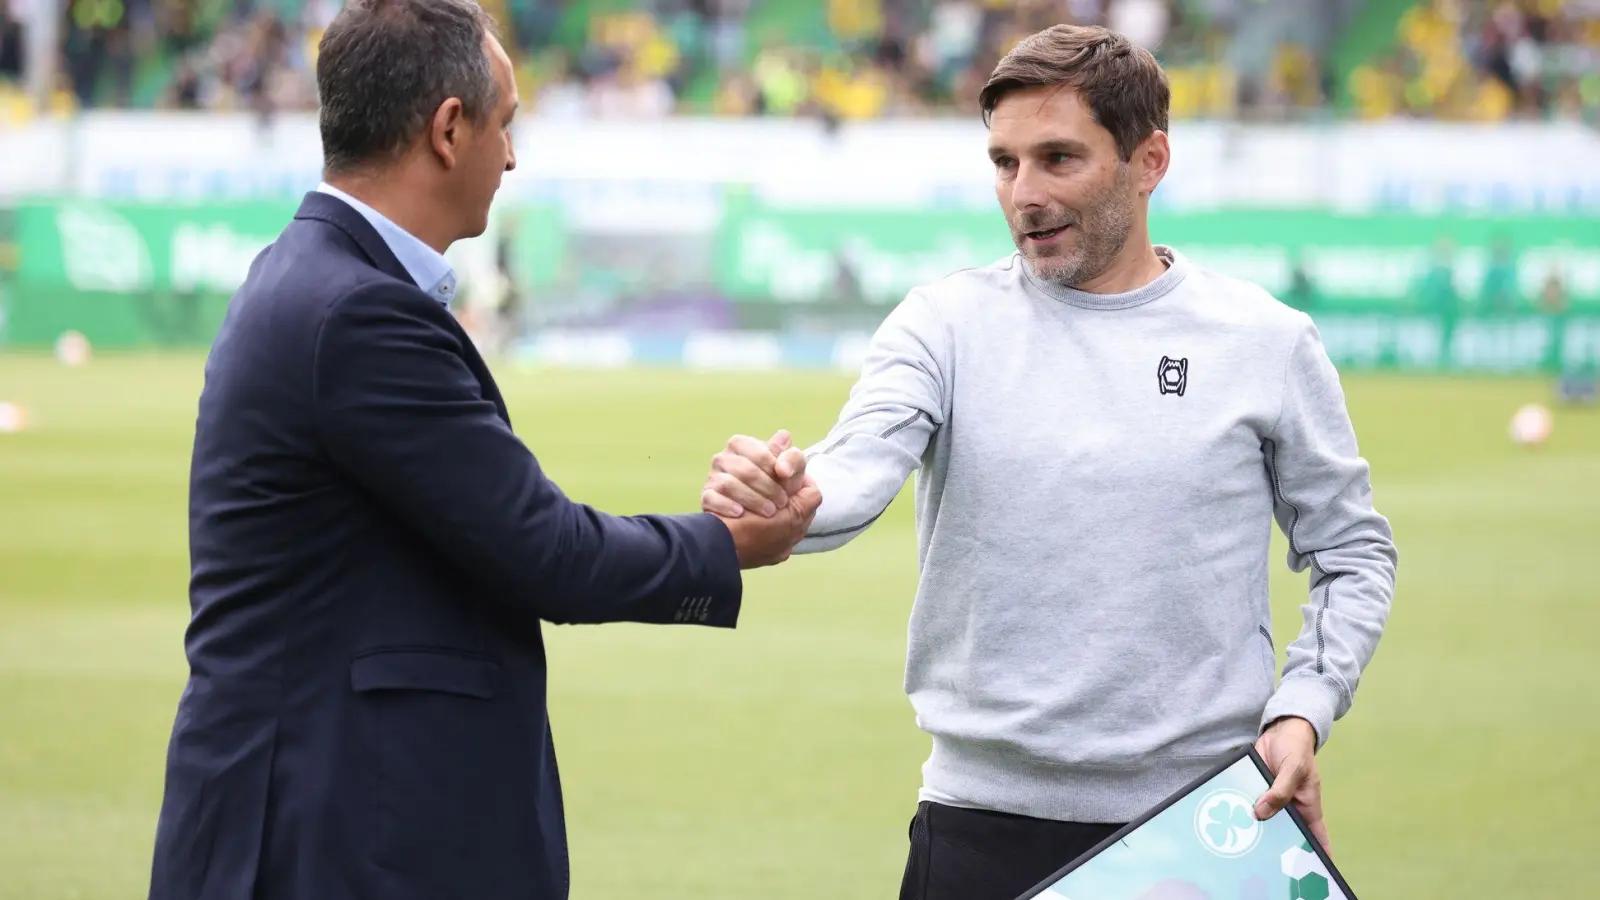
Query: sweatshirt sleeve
{"points": [[1323, 502], [892, 412]]}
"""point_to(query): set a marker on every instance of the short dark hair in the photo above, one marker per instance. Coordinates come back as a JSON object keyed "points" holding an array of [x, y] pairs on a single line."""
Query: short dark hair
{"points": [[385, 66], [1123, 84]]}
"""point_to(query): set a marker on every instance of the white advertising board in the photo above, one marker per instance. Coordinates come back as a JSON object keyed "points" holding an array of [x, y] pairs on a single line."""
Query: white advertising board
{"points": [[672, 174]]}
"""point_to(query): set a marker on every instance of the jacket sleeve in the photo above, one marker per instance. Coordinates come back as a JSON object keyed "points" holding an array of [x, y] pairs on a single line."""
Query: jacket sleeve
{"points": [[893, 411], [1322, 493], [401, 413]]}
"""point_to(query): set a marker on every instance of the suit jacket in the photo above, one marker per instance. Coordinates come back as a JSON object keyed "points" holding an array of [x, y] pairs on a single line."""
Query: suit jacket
{"points": [[373, 552]]}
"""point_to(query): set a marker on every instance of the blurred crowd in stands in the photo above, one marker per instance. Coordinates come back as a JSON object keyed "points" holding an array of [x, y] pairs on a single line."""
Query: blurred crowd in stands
{"points": [[837, 59], [1487, 61]]}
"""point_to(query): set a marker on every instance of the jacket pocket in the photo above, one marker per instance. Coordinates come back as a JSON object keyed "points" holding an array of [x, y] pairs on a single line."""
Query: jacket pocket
{"points": [[425, 669], [439, 752]]}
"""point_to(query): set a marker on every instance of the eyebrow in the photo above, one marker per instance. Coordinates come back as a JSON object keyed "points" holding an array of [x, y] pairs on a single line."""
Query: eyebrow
{"points": [[1060, 145]]}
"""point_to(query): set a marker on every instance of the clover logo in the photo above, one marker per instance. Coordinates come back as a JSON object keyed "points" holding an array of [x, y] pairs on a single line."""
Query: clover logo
{"points": [[1226, 824]]}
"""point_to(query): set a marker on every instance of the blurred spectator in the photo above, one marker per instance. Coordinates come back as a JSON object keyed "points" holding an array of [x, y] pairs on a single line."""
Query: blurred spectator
{"points": [[630, 92], [736, 96], [1436, 286], [1485, 60], [1500, 292], [849, 88], [1553, 296], [11, 49], [1488, 60], [782, 79], [559, 94]]}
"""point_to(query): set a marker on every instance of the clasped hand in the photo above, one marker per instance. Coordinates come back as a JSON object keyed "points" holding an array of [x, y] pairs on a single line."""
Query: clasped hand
{"points": [[761, 491]]}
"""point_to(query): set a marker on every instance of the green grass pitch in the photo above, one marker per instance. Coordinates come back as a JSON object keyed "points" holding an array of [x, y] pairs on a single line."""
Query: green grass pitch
{"points": [[781, 760]]}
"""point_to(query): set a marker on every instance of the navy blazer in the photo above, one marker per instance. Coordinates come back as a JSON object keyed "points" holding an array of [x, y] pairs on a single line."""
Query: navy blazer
{"points": [[373, 552]]}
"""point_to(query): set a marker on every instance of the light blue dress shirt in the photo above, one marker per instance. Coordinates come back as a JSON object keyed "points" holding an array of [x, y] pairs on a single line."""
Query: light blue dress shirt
{"points": [[426, 266]]}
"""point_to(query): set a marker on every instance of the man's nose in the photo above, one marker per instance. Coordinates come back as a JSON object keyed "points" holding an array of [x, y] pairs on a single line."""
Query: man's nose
{"points": [[1028, 190]]}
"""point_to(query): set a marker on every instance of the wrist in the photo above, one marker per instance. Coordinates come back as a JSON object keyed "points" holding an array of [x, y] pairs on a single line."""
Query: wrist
{"points": [[1296, 725]]}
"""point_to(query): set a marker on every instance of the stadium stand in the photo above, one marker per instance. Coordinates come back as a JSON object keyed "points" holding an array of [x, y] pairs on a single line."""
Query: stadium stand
{"points": [[859, 59], [1477, 61]]}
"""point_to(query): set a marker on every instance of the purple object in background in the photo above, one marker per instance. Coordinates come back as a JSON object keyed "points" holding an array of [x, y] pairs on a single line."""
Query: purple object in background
{"points": [[665, 314]]}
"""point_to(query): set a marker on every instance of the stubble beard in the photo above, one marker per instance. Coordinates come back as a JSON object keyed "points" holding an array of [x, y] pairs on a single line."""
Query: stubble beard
{"points": [[1103, 230]]}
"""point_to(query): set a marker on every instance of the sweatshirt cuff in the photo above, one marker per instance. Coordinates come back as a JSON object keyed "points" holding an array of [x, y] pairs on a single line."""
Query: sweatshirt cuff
{"points": [[1312, 699]]}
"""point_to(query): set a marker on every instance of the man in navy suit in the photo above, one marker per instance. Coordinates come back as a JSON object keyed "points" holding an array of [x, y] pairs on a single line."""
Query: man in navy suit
{"points": [[373, 549]]}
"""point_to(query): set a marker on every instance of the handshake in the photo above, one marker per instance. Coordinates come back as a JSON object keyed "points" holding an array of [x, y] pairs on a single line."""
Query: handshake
{"points": [[760, 490]]}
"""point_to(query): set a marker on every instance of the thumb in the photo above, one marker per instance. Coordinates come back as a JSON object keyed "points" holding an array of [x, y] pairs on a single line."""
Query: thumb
{"points": [[780, 442], [1282, 790], [791, 466]]}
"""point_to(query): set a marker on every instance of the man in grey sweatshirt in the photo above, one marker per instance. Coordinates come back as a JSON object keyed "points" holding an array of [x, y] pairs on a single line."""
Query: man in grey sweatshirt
{"points": [[1103, 434]]}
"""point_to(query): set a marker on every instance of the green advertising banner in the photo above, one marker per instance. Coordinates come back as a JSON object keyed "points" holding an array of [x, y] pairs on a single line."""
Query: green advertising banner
{"points": [[133, 275], [1309, 259], [1390, 292], [125, 249], [1526, 344], [815, 255], [129, 275]]}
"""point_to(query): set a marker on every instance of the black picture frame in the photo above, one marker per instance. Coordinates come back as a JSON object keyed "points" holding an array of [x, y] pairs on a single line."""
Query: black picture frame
{"points": [[1246, 752]]}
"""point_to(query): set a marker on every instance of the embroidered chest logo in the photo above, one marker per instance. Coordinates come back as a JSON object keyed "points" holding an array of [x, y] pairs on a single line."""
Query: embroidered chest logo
{"points": [[1172, 377]]}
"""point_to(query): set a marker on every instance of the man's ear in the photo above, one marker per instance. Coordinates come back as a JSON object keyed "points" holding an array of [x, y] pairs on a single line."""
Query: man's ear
{"points": [[1152, 158], [446, 131]]}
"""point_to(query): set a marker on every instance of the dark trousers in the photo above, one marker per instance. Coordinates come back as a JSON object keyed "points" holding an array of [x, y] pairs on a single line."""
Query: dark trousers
{"points": [[965, 854]]}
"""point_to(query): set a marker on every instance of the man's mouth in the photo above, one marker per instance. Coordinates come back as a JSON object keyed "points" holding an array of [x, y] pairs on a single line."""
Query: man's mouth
{"points": [[1047, 234]]}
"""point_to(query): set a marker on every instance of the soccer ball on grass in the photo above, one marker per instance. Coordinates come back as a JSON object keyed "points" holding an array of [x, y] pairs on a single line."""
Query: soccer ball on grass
{"points": [[1531, 425]]}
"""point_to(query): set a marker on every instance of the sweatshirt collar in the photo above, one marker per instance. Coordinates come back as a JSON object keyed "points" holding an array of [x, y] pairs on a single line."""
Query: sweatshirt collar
{"points": [[1177, 270]]}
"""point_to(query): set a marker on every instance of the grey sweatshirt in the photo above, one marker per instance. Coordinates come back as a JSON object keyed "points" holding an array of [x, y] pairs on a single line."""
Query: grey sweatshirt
{"points": [[1097, 480]]}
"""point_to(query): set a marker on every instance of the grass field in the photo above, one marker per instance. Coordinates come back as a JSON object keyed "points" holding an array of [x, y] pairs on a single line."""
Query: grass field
{"points": [[781, 760]]}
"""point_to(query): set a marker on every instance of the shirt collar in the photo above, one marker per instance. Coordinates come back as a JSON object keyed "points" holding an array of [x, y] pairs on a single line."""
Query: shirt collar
{"points": [[426, 266]]}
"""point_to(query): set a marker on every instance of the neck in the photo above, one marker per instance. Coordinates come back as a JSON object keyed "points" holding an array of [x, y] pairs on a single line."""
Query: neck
{"points": [[1136, 266], [387, 193]]}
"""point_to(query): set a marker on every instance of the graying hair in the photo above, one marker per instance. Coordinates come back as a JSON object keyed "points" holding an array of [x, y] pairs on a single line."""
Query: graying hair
{"points": [[385, 66]]}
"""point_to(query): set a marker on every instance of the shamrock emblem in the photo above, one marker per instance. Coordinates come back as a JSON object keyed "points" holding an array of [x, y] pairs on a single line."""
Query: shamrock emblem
{"points": [[1225, 820], [1226, 825]]}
